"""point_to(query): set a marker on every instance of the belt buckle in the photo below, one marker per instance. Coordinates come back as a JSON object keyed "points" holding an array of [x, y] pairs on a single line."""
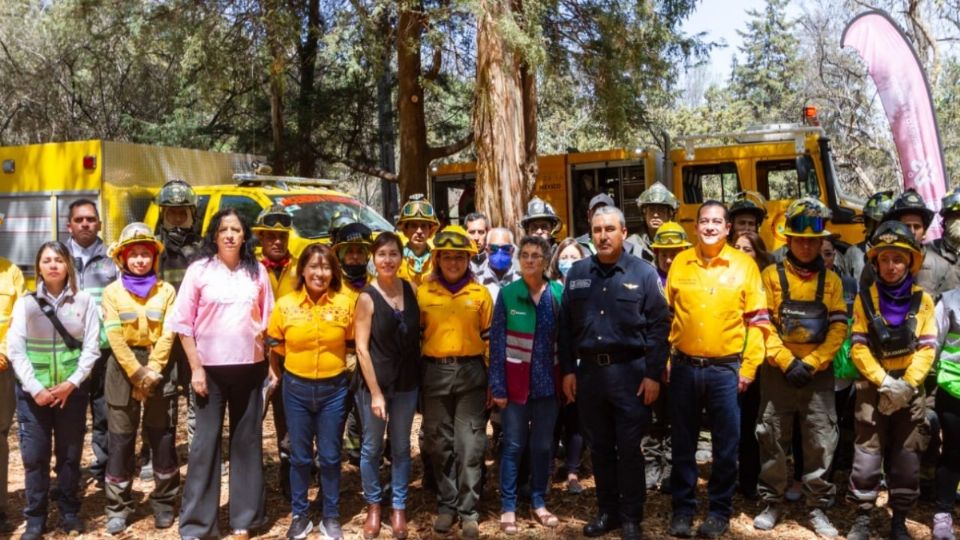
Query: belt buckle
{"points": [[603, 359], [699, 361]]}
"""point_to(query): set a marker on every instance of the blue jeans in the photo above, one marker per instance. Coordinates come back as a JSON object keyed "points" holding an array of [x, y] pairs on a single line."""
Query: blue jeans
{"points": [[40, 429], [401, 407], [315, 409], [529, 423], [692, 389]]}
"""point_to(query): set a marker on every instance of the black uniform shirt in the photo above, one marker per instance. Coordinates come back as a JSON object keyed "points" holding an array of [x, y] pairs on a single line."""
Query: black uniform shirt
{"points": [[617, 308]]}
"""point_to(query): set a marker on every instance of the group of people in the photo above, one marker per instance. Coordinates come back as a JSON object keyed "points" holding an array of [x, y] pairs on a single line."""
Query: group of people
{"points": [[633, 344]]}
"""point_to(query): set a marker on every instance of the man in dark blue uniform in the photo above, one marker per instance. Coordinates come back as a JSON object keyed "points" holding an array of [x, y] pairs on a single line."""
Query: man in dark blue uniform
{"points": [[614, 321]]}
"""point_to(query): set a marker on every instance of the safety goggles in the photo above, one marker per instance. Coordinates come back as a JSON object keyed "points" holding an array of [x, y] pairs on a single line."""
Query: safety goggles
{"points": [[671, 238], [417, 208], [494, 248], [803, 222], [274, 220], [451, 240]]}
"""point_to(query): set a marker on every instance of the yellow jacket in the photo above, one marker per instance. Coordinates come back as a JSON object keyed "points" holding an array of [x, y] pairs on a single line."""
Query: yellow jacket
{"points": [[12, 288], [916, 365], [287, 282], [455, 324], [131, 321], [819, 356]]}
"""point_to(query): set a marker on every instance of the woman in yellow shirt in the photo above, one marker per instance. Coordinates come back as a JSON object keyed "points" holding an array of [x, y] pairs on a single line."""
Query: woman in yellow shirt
{"points": [[311, 328], [138, 373]]}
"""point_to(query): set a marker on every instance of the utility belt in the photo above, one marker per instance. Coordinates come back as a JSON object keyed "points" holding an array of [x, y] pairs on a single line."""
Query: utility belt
{"points": [[886, 341], [448, 360], [705, 361], [609, 358], [802, 321]]}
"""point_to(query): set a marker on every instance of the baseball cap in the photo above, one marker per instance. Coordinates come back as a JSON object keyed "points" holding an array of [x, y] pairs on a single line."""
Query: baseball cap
{"points": [[601, 199]]}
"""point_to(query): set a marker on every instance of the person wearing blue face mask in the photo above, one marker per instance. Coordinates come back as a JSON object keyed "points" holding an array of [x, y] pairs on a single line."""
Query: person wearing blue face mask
{"points": [[500, 268]]}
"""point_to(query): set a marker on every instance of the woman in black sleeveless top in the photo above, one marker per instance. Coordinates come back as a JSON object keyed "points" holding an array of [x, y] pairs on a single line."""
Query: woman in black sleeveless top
{"points": [[387, 326]]}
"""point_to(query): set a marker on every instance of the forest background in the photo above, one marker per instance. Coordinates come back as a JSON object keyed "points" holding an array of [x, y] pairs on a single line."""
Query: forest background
{"points": [[380, 90]]}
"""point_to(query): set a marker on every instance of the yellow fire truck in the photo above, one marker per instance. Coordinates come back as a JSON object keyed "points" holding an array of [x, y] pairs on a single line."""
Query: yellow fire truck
{"points": [[781, 162]]}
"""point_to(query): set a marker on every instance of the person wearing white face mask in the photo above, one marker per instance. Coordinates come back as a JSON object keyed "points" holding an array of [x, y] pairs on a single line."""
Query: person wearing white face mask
{"points": [[566, 253]]}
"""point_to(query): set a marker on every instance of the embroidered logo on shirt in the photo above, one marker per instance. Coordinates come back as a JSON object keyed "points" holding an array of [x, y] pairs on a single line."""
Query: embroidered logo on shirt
{"points": [[630, 286], [579, 284]]}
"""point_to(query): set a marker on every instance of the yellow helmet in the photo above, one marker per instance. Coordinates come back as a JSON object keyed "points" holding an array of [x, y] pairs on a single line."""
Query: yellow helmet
{"points": [[670, 235], [454, 238], [806, 217], [417, 208], [273, 218], [135, 233]]}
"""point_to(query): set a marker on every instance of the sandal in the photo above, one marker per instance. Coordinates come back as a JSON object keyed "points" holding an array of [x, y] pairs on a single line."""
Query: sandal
{"points": [[509, 527], [546, 519]]}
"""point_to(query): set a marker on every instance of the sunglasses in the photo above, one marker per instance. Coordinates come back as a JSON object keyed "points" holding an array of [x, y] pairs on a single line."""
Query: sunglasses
{"points": [[802, 222], [494, 248], [670, 238], [401, 322], [273, 220], [416, 208], [451, 240]]}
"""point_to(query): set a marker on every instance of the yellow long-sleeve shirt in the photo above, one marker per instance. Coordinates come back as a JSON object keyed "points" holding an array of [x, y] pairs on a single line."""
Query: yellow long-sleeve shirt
{"points": [[817, 355], [287, 281], [131, 321], [719, 307], [12, 288], [916, 365]]}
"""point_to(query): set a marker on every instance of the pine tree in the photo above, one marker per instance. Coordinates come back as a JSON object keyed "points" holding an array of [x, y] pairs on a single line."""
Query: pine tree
{"points": [[766, 76]]}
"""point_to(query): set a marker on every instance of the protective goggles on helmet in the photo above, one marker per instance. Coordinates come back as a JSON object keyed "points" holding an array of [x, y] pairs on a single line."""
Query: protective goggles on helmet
{"points": [[451, 240], [671, 238], [417, 208], [274, 220], [802, 222]]}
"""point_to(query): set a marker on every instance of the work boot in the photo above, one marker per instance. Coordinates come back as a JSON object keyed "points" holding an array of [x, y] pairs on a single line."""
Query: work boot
{"points": [[371, 527], [469, 528], [713, 527], [443, 523], [681, 526], [898, 526], [943, 526], [398, 523], [821, 524], [116, 525], [768, 519], [860, 530], [163, 519]]}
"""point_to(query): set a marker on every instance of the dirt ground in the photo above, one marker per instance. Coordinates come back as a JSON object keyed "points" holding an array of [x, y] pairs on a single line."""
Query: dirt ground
{"points": [[572, 510]]}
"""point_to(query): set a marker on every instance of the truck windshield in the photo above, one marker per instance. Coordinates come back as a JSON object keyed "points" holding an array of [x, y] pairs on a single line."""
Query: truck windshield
{"points": [[313, 214]]}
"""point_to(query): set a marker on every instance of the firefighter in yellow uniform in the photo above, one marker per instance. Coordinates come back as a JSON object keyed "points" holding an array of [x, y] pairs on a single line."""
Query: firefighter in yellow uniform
{"points": [[455, 316], [272, 229], [138, 375], [807, 307], [11, 288], [894, 340], [418, 222]]}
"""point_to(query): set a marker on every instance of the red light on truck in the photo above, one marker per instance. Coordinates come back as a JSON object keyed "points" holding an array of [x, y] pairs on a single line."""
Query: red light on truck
{"points": [[89, 163], [810, 116]]}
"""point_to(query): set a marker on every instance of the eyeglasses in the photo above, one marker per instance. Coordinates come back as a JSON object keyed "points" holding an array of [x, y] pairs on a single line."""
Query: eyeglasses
{"points": [[670, 238], [800, 223], [273, 220], [506, 248], [412, 209], [451, 240]]}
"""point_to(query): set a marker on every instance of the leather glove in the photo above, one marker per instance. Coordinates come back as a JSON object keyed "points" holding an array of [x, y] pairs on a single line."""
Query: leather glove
{"points": [[898, 391], [885, 406], [146, 380], [798, 373]]}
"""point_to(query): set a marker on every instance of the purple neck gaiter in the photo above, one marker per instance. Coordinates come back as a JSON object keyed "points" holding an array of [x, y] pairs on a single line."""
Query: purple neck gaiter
{"points": [[139, 286], [663, 277], [895, 300], [454, 288]]}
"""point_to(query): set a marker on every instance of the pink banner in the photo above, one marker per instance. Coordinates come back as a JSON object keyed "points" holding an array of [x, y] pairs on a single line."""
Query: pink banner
{"points": [[905, 95]]}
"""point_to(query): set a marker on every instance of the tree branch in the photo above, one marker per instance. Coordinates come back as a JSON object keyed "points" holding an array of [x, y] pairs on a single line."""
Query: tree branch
{"points": [[436, 152]]}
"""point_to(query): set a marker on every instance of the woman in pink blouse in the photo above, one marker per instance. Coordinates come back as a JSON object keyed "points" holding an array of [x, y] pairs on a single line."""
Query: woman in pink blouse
{"points": [[221, 314]]}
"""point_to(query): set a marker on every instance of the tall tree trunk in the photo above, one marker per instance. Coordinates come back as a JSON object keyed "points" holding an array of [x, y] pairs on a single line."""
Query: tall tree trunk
{"points": [[413, 128], [306, 120], [274, 32], [499, 122], [385, 128]]}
